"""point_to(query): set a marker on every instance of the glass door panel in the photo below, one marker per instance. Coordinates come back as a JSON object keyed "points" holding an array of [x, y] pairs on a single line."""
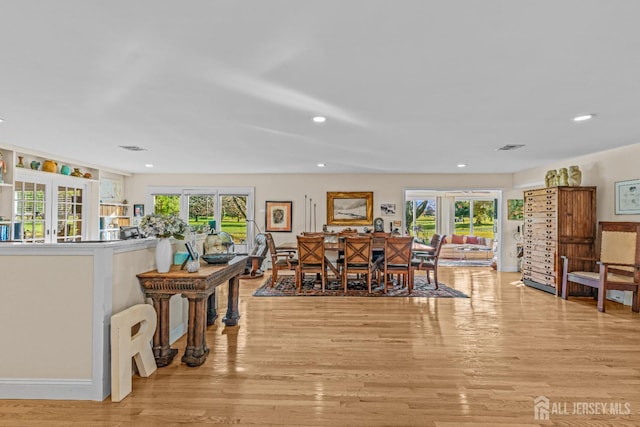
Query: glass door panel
{"points": [[421, 218], [30, 201], [462, 217], [483, 214], [69, 218], [201, 210], [234, 218]]}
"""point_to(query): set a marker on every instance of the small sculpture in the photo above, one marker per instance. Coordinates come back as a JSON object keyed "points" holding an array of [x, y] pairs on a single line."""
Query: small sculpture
{"points": [[563, 177], [575, 176], [551, 179]]}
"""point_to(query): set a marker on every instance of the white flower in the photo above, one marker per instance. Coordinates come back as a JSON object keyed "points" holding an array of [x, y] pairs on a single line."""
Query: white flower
{"points": [[164, 226]]}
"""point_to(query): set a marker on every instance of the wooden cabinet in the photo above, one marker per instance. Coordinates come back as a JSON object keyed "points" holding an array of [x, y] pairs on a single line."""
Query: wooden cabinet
{"points": [[557, 221]]}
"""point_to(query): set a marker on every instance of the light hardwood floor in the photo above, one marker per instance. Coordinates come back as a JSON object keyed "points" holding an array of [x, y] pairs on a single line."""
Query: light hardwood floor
{"points": [[320, 361]]}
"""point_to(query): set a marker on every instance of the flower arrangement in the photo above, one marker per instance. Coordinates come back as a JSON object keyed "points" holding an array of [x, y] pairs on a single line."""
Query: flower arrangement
{"points": [[162, 226]]}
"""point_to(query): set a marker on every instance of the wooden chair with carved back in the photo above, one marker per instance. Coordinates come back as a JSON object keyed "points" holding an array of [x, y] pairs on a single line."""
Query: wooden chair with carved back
{"points": [[428, 261], [616, 263], [397, 260], [311, 259], [357, 258], [280, 260]]}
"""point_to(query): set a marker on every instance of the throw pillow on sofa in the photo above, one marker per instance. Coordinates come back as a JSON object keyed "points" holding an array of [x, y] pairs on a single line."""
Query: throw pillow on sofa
{"points": [[472, 240], [457, 239]]}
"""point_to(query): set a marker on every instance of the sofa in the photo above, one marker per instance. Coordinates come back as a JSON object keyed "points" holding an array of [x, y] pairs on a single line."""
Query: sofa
{"points": [[458, 246]]}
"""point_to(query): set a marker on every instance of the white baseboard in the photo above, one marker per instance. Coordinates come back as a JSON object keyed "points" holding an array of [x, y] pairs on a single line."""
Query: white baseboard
{"points": [[43, 388]]}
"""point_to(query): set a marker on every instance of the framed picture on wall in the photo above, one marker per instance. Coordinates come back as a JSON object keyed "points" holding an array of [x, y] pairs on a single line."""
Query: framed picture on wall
{"points": [[350, 208], [138, 210], [628, 197], [278, 216], [515, 209]]}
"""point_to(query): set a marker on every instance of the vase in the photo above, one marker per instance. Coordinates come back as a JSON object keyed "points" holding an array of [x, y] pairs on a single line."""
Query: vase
{"points": [[50, 166], [164, 255], [20, 164]]}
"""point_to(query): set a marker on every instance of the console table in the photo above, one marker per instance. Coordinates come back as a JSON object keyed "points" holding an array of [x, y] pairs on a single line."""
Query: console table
{"points": [[197, 288]]}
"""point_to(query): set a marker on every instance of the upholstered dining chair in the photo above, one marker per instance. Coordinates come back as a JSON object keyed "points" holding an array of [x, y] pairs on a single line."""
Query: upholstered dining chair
{"points": [[616, 265], [357, 258], [397, 260], [311, 259], [428, 261], [280, 260]]}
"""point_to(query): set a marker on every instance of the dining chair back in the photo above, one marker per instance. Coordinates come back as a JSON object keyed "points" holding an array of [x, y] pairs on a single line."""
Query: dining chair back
{"points": [[311, 259], [428, 261], [397, 260], [280, 260], [357, 258]]}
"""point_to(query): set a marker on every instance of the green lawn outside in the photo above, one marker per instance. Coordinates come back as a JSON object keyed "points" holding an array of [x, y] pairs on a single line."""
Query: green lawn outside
{"points": [[237, 229], [428, 225]]}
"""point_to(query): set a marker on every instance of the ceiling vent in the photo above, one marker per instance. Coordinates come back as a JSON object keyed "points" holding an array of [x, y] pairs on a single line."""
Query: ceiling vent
{"points": [[132, 147], [510, 147]]}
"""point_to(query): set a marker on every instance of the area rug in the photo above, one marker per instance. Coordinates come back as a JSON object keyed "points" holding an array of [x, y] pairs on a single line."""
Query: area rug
{"points": [[286, 287]]}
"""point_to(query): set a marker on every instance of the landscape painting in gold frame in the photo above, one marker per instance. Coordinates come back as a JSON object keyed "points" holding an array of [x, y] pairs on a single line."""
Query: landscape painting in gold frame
{"points": [[349, 207]]}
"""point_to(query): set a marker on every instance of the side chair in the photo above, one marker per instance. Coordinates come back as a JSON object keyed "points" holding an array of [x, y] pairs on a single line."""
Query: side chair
{"points": [[428, 261], [616, 265], [397, 260], [357, 258], [311, 259], [280, 260]]}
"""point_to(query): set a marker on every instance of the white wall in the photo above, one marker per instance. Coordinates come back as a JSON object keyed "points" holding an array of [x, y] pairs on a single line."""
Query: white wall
{"points": [[387, 188], [602, 170]]}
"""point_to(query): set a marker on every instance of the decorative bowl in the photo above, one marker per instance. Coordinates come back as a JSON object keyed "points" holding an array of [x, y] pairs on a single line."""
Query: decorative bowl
{"points": [[217, 258]]}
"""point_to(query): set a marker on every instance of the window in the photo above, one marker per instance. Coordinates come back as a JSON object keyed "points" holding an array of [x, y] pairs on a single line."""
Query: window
{"points": [[225, 209], [421, 218], [474, 217]]}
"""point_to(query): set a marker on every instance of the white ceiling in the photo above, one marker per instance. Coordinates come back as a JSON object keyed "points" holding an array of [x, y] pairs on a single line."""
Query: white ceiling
{"points": [[231, 86]]}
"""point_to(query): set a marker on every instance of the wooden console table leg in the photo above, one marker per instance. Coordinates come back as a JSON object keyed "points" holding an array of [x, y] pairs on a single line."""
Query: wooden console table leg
{"points": [[196, 352], [212, 312], [233, 315], [162, 351]]}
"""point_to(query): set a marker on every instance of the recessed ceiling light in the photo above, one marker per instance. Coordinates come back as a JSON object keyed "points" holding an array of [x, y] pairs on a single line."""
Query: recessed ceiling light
{"points": [[321, 165], [1, 120], [148, 165], [583, 117], [319, 119], [462, 165]]}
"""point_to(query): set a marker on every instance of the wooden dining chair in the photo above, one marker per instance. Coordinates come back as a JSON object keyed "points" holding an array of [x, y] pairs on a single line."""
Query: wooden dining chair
{"points": [[341, 238], [311, 259], [280, 259], [397, 260], [357, 258], [428, 261]]}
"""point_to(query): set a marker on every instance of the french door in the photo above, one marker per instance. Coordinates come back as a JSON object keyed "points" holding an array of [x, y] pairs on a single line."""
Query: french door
{"points": [[48, 209]]}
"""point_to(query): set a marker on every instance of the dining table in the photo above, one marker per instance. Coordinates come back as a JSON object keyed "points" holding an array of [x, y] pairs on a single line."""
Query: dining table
{"points": [[337, 245]]}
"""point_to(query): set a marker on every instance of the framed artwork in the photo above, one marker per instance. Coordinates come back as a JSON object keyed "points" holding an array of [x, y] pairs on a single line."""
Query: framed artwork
{"points": [[388, 208], [515, 209], [191, 251], [628, 197], [278, 216], [138, 210], [350, 208]]}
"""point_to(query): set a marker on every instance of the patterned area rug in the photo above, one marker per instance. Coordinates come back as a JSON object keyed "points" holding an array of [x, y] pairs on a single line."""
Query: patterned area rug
{"points": [[286, 287]]}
